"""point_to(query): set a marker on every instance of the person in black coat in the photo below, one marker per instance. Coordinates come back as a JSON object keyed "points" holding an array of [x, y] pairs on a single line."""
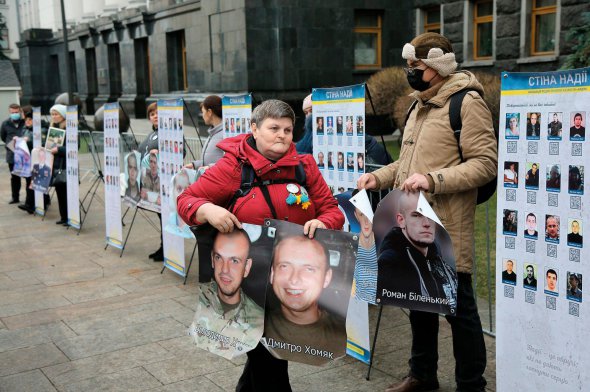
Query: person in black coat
{"points": [[11, 128]]}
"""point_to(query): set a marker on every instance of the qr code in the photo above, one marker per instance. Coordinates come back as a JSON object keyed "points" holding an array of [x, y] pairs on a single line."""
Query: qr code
{"points": [[530, 246], [533, 148], [510, 194], [531, 197], [552, 199], [508, 291], [512, 147], [575, 255], [553, 148], [551, 250], [529, 296], [574, 309], [509, 242], [550, 302], [577, 149], [576, 202]]}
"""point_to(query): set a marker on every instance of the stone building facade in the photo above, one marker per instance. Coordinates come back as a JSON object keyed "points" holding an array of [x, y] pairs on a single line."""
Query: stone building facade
{"points": [[279, 48]]}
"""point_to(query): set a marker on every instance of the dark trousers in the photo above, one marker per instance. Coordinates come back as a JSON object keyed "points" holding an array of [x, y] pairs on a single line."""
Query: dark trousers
{"points": [[15, 183], [263, 373], [30, 199], [468, 344], [61, 190]]}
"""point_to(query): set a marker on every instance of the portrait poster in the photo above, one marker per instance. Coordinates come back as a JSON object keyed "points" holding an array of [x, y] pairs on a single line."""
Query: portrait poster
{"points": [[170, 162], [358, 209], [22, 158], [233, 273], [542, 259], [39, 200], [132, 178], [339, 135], [237, 111], [72, 166], [308, 295], [41, 172], [111, 171], [416, 264], [179, 182], [55, 137]]}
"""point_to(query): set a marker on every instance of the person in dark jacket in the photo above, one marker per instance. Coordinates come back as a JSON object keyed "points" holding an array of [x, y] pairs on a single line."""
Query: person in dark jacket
{"points": [[58, 120], [10, 129]]}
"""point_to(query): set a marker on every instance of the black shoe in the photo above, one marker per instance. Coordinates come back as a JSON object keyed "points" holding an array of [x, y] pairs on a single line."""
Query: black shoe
{"points": [[25, 207], [14, 201], [158, 257], [411, 384], [61, 222], [159, 252]]}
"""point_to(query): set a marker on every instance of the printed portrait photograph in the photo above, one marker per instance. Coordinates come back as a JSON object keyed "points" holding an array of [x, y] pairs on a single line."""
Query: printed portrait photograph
{"points": [[512, 125], [529, 273], [533, 126], [510, 222], [42, 161], [55, 138], [510, 174], [575, 183], [178, 183], [578, 126], [319, 125], [574, 286], [530, 226], [233, 275], [574, 232], [531, 178], [554, 125], [552, 228], [509, 271], [553, 178], [551, 281], [416, 264], [310, 287]]}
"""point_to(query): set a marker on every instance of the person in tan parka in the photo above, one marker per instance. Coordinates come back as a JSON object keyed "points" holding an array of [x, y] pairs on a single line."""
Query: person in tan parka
{"points": [[430, 162]]}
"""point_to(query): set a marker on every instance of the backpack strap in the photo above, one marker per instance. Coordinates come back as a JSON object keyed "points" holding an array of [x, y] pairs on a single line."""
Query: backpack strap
{"points": [[412, 106], [455, 116]]}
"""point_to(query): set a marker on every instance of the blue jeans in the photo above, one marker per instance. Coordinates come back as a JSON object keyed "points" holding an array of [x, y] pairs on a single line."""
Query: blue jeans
{"points": [[468, 343]]}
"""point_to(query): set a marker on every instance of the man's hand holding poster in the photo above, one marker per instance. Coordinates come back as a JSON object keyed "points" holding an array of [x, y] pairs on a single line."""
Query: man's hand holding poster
{"points": [[416, 265]]}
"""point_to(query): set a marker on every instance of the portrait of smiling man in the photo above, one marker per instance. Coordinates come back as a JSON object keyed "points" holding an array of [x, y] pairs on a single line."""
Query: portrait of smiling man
{"points": [[300, 272], [227, 321]]}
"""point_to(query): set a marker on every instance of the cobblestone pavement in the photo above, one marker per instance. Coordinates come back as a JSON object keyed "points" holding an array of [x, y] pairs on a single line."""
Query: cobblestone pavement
{"points": [[77, 317]]}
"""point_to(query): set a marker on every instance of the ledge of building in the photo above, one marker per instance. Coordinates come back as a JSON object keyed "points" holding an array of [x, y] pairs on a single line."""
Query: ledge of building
{"points": [[537, 59], [477, 63]]}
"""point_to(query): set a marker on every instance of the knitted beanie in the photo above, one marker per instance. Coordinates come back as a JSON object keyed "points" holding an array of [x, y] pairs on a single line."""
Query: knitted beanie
{"points": [[61, 109], [434, 50], [306, 102]]}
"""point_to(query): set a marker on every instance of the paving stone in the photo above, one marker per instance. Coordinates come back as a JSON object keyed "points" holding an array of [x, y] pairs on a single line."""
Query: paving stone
{"points": [[34, 380], [32, 336], [187, 364], [25, 359], [107, 340], [197, 384], [113, 362], [125, 381], [32, 306]]}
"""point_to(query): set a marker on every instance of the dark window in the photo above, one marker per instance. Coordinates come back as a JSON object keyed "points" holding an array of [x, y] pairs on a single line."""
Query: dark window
{"points": [[116, 84], [143, 67], [176, 51], [73, 72], [483, 21], [367, 39], [432, 20], [543, 14], [54, 80], [91, 77]]}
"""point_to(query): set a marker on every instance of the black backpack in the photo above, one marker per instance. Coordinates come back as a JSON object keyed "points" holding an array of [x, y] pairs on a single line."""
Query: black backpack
{"points": [[485, 191], [250, 180]]}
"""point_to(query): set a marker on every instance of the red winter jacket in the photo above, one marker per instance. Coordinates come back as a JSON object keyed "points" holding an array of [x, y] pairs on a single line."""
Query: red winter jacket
{"points": [[219, 183]]}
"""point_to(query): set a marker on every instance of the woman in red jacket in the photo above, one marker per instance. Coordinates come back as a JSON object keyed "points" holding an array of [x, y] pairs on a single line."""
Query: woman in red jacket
{"points": [[273, 158]]}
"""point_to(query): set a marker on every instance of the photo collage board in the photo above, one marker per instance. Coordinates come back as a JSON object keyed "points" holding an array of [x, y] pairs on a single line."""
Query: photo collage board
{"points": [[111, 170], [541, 257], [170, 162], [237, 111], [39, 202], [339, 135], [72, 166]]}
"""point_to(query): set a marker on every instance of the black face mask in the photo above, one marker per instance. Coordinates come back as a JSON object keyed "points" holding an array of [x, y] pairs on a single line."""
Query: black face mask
{"points": [[415, 80]]}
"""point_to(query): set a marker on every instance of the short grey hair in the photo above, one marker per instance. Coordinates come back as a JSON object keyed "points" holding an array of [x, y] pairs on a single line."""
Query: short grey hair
{"points": [[272, 108]]}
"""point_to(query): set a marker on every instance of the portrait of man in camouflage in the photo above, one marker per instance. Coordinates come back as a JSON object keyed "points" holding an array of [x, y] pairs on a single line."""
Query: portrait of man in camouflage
{"points": [[228, 322]]}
